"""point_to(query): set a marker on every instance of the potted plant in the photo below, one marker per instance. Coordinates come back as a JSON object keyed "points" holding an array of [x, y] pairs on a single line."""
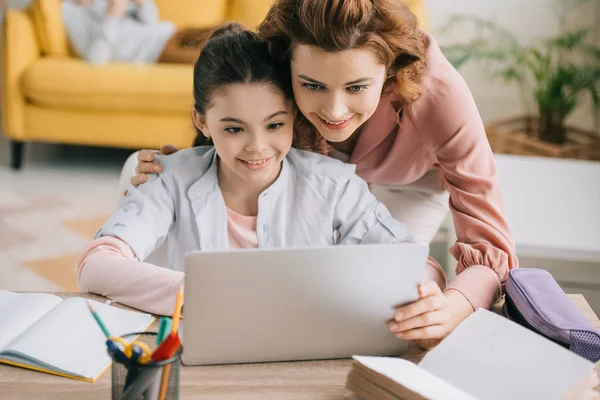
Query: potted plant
{"points": [[554, 75]]}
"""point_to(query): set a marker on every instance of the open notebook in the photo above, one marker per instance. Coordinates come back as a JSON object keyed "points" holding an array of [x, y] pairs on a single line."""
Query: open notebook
{"points": [[487, 357], [46, 333]]}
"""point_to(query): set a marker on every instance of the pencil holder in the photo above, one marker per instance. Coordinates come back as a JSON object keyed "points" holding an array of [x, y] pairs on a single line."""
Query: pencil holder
{"points": [[137, 381]]}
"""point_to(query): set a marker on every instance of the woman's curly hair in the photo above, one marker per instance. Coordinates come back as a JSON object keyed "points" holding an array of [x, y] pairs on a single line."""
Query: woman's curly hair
{"points": [[386, 27]]}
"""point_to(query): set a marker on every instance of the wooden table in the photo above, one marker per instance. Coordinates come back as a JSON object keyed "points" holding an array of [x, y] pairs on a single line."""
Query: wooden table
{"points": [[292, 380]]}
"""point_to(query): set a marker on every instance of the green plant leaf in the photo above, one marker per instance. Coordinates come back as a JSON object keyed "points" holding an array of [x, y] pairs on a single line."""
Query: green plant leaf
{"points": [[556, 72], [539, 64], [570, 40], [511, 74]]}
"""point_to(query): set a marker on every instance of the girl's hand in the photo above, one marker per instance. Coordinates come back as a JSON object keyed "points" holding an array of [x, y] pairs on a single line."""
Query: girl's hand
{"points": [[147, 165], [432, 317]]}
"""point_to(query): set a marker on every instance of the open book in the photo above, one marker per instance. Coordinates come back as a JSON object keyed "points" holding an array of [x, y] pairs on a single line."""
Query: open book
{"points": [[46, 333], [487, 357]]}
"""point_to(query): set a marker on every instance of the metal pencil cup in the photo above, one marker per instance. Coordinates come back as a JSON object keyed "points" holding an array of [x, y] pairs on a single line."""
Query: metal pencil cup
{"points": [[136, 381]]}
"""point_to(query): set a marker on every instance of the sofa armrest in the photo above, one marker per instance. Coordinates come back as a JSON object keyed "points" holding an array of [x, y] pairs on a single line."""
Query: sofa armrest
{"points": [[19, 50]]}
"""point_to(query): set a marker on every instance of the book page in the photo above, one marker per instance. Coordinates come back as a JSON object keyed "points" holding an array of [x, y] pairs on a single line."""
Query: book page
{"points": [[493, 358], [18, 311], [69, 340], [413, 378]]}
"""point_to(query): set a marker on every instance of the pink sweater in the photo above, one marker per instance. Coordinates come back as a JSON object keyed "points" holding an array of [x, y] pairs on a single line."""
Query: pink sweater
{"points": [[109, 267], [443, 129]]}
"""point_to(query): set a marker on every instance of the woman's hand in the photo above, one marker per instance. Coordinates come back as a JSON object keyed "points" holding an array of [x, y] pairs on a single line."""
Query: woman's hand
{"points": [[147, 165], [432, 317]]}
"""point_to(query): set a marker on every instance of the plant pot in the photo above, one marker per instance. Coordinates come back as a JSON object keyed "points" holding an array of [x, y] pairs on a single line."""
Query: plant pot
{"points": [[519, 136]]}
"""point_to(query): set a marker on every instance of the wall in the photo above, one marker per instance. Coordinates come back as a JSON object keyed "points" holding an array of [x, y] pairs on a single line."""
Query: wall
{"points": [[528, 20]]}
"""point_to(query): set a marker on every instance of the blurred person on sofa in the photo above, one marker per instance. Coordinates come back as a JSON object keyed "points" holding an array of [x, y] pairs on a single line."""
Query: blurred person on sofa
{"points": [[101, 31]]}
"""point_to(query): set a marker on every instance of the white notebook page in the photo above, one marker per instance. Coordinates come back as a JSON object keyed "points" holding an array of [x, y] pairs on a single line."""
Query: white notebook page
{"points": [[493, 358], [69, 339], [18, 311]]}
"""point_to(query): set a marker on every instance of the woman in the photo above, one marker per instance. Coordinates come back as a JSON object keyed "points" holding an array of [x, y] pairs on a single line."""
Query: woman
{"points": [[379, 93]]}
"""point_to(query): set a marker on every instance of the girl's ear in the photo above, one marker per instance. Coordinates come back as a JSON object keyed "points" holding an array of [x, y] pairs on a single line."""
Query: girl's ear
{"points": [[200, 122]]}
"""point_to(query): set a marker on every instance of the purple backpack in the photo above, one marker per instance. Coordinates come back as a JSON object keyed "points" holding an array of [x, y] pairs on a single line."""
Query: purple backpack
{"points": [[534, 300]]}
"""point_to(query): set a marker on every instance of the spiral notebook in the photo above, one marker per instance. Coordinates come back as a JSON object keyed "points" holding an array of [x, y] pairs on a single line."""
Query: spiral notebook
{"points": [[45, 333]]}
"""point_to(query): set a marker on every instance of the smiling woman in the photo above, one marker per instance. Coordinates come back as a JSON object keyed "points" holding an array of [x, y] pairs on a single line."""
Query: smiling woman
{"points": [[380, 94], [336, 102], [379, 45]]}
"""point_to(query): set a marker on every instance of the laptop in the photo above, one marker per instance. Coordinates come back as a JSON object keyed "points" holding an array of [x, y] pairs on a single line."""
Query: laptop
{"points": [[265, 305]]}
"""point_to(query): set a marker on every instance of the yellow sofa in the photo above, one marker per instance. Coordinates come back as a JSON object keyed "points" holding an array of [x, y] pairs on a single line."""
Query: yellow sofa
{"points": [[48, 95]]}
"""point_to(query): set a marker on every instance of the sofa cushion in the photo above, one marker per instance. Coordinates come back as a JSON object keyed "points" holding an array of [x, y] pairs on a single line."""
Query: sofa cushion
{"points": [[68, 83], [198, 13], [51, 32]]}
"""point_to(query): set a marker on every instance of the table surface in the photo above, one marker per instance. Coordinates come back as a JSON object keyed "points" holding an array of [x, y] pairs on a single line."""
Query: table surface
{"points": [[552, 206], [282, 381]]}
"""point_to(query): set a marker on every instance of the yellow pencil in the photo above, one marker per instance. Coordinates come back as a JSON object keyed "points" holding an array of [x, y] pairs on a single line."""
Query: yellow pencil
{"points": [[176, 316], [177, 311]]}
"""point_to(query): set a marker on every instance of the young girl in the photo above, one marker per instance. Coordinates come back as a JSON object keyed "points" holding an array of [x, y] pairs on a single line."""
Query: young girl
{"points": [[249, 190]]}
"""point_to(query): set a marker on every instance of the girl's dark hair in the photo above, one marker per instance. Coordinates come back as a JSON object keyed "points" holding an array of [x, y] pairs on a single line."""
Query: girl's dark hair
{"points": [[235, 55]]}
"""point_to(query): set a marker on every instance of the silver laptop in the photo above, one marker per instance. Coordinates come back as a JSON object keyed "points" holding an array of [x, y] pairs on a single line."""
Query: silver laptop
{"points": [[262, 305]]}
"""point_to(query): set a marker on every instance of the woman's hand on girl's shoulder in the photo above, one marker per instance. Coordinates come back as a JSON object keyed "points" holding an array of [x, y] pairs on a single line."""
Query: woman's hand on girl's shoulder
{"points": [[147, 165], [432, 317]]}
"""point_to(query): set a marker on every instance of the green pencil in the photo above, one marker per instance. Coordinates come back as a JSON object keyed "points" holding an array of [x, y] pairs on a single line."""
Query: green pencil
{"points": [[98, 320], [164, 329]]}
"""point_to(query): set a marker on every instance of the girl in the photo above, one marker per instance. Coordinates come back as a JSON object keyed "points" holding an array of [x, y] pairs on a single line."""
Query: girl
{"points": [[380, 93], [249, 190]]}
